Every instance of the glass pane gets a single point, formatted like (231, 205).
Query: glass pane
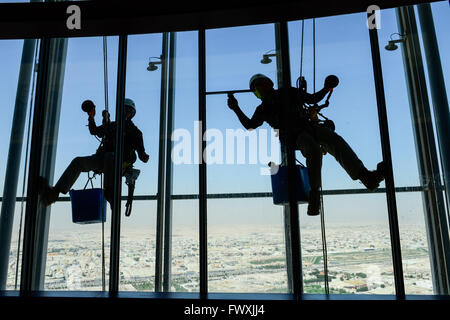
(144, 88)
(138, 232)
(440, 12)
(74, 254)
(404, 157)
(246, 249)
(184, 250)
(137, 247)
(14, 124)
(185, 276)
(237, 158)
(183, 157)
(353, 267)
(233, 55)
(358, 245)
(415, 245)
(74, 251)
(410, 206)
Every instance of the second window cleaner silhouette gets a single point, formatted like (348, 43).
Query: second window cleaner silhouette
(103, 160)
(311, 136)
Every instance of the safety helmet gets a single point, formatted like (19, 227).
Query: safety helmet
(258, 77)
(130, 103)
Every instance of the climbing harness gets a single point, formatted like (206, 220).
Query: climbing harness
(313, 110)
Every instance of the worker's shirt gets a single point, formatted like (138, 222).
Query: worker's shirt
(132, 140)
(270, 111)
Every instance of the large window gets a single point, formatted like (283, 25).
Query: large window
(355, 258)
(184, 272)
(137, 249)
(16, 104)
(411, 211)
(248, 244)
(75, 252)
(246, 249)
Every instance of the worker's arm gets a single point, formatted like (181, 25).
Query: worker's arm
(313, 98)
(138, 142)
(248, 123)
(94, 130)
(330, 82)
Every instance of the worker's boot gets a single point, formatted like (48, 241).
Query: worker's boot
(314, 203)
(372, 179)
(49, 194)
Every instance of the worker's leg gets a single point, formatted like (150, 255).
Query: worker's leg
(72, 172)
(313, 153)
(347, 158)
(80, 164)
(340, 150)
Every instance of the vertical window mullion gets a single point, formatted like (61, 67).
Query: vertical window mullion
(282, 39)
(169, 145)
(115, 219)
(28, 255)
(161, 169)
(202, 166)
(387, 159)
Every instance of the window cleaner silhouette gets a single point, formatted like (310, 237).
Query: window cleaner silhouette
(312, 137)
(103, 160)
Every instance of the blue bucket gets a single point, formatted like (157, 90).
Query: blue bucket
(87, 205)
(280, 185)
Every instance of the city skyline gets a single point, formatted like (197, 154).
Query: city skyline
(243, 259)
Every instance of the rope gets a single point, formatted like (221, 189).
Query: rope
(314, 58)
(105, 70)
(105, 84)
(322, 211)
(301, 56)
(103, 237)
(301, 51)
(324, 244)
(26, 164)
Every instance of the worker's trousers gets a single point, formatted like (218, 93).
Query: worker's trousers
(310, 146)
(96, 162)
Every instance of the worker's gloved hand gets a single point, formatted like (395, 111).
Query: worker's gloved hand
(232, 102)
(105, 115)
(144, 157)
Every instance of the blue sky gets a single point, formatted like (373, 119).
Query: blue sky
(233, 56)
